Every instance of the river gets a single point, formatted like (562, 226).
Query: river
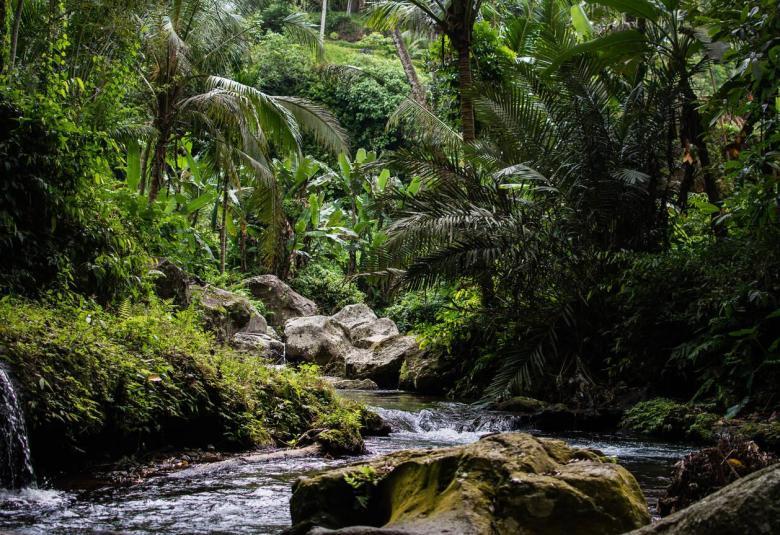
(253, 497)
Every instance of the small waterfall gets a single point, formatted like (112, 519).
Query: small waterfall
(452, 417)
(16, 469)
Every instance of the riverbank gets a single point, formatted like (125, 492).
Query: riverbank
(97, 385)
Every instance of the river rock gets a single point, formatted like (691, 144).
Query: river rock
(280, 300)
(371, 333)
(226, 313)
(317, 339)
(351, 384)
(749, 505)
(383, 362)
(510, 483)
(521, 404)
(351, 316)
(426, 372)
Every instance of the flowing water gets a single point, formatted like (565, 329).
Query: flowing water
(15, 464)
(243, 496)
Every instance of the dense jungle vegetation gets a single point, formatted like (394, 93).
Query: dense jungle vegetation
(574, 201)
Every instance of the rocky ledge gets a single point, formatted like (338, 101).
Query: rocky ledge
(510, 483)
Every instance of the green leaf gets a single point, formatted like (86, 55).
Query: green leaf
(314, 206)
(336, 218)
(201, 201)
(414, 186)
(345, 166)
(361, 155)
(580, 21)
(611, 47)
(381, 181)
(741, 333)
(707, 208)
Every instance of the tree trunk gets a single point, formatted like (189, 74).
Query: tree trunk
(3, 33)
(418, 93)
(15, 34)
(322, 18)
(349, 8)
(693, 135)
(243, 246)
(223, 227)
(158, 165)
(164, 125)
(464, 84)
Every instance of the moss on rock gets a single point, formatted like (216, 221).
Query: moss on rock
(668, 419)
(507, 483)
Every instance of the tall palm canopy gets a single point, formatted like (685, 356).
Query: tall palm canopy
(453, 18)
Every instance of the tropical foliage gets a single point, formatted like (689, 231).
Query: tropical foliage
(565, 199)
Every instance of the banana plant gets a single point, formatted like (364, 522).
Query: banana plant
(356, 219)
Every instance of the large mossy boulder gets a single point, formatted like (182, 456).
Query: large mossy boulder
(749, 505)
(280, 300)
(510, 483)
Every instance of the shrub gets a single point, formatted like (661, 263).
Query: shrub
(416, 309)
(56, 224)
(326, 285)
(666, 418)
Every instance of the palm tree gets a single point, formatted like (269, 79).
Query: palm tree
(561, 177)
(418, 92)
(323, 18)
(453, 18)
(674, 49)
(191, 42)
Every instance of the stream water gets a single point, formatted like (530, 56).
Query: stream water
(253, 497)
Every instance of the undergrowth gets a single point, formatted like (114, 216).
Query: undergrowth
(143, 376)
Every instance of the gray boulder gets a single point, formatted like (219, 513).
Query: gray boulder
(280, 300)
(258, 344)
(368, 334)
(351, 316)
(382, 363)
(749, 505)
(172, 283)
(351, 384)
(426, 372)
(317, 339)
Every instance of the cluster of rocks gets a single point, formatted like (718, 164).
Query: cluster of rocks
(230, 316)
(357, 348)
(353, 343)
